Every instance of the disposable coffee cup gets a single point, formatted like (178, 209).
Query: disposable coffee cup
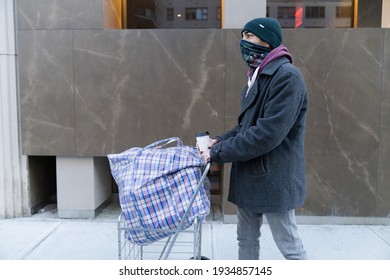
(203, 139)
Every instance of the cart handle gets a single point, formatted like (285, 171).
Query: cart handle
(164, 142)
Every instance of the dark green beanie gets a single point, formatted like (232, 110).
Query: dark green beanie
(267, 29)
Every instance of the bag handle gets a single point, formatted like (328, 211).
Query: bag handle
(157, 145)
(165, 142)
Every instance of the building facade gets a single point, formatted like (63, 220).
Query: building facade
(76, 87)
(312, 14)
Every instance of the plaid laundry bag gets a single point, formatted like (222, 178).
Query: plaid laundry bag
(155, 187)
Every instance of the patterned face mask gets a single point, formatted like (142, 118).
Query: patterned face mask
(253, 54)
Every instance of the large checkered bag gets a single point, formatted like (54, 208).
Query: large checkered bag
(156, 184)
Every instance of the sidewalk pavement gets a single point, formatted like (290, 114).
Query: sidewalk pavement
(43, 236)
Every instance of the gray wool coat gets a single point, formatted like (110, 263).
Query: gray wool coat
(266, 148)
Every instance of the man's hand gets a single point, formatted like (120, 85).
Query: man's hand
(212, 142)
(206, 154)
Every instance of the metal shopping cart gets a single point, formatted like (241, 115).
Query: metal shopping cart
(152, 221)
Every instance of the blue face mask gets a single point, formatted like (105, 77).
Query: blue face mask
(253, 54)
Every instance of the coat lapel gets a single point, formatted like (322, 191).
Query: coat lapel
(250, 98)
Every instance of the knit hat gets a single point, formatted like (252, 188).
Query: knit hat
(267, 29)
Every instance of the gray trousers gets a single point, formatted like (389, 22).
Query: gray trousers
(284, 231)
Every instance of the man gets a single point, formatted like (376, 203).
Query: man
(266, 147)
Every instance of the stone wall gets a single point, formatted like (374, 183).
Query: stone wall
(86, 91)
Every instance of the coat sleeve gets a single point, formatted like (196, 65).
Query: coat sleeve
(282, 108)
(228, 134)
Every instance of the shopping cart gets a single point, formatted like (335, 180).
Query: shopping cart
(182, 242)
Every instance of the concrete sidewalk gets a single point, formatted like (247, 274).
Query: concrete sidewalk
(44, 237)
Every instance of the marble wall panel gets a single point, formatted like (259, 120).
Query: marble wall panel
(343, 70)
(46, 92)
(60, 14)
(383, 192)
(236, 77)
(134, 87)
(93, 92)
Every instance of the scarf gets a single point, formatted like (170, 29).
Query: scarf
(253, 55)
(257, 56)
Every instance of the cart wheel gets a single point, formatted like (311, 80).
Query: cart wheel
(202, 258)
